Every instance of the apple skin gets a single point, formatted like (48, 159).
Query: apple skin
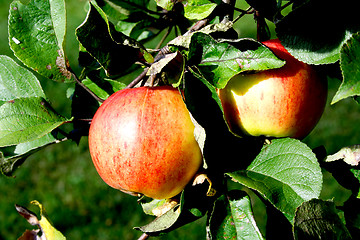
(284, 102)
(141, 140)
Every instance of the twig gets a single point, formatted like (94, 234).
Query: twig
(86, 88)
(164, 37)
(144, 236)
(137, 79)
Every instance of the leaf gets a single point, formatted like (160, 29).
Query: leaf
(218, 62)
(315, 36)
(17, 82)
(233, 218)
(166, 4)
(349, 62)
(350, 155)
(172, 68)
(114, 51)
(317, 219)
(194, 204)
(184, 40)
(26, 119)
(48, 231)
(198, 9)
(286, 173)
(37, 33)
(14, 156)
(103, 89)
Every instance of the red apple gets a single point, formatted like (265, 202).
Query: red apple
(141, 140)
(284, 102)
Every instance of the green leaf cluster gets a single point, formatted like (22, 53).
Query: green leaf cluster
(195, 46)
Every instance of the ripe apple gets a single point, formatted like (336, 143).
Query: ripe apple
(284, 102)
(141, 140)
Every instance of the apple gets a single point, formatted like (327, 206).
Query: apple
(283, 102)
(141, 140)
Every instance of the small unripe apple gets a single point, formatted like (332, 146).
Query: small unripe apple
(141, 140)
(283, 102)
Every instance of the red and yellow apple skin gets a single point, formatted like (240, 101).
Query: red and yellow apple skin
(141, 140)
(284, 102)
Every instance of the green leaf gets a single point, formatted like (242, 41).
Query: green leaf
(198, 9)
(233, 218)
(17, 82)
(315, 36)
(286, 173)
(166, 4)
(349, 62)
(103, 89)
(114, 51)
(14, 156)
(218, 62)
(318, 219)
(26, 119)
(37, 33)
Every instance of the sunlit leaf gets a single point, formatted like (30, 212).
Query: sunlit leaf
(218, 62)
(17, 82)
(13, 156)
(198, 9)
(26, 119)
(350, 155)
(47, 230)
(37, 32)
(286, 173)
(349, 63)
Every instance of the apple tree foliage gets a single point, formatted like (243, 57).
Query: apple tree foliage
(197, 49)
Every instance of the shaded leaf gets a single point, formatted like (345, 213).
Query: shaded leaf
(37, 33)
(315, 36)
(232, 218)
(183, 41)
(26, 119)
(17, 82)
(349, 62)
(218, 62)
(286, 173)
(318, 219)
(352, 216)
(171, 67)
(114, 51)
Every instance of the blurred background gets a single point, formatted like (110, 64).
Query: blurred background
(81, 205)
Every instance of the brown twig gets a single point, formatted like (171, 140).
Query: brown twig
(144, 236)
(86, 88)
(137, 79)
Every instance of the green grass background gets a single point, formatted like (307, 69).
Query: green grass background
(82, 206)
